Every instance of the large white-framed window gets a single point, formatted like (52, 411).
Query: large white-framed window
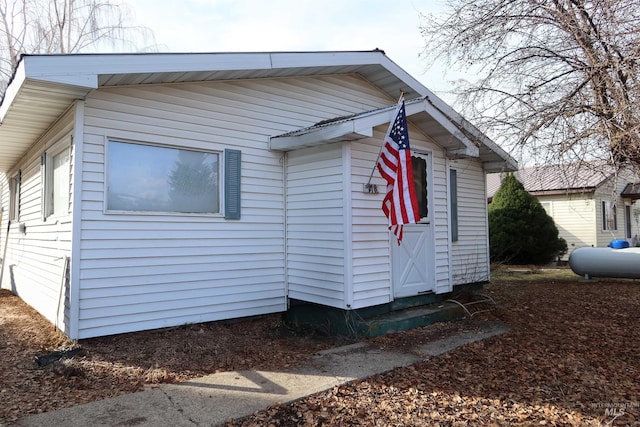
(56, 163)
(609, 217)
(153, 178)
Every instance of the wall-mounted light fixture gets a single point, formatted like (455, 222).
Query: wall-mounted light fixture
(370, 188)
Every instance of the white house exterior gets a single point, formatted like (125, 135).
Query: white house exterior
(589, 204)
(154, 190)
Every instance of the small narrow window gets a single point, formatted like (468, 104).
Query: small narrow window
(14, 197)
(453, 195)
(627, 221)
(57, 178)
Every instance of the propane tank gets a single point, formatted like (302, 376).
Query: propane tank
(606, 262)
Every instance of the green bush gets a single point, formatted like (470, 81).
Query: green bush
(520, 231)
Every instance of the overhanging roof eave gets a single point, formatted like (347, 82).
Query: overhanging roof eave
(28, 115)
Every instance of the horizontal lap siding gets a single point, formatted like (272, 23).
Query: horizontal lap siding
(610, 191)
(315, 226)
(470, 261)
(575, 217)
(370, 249)
(440, 206)
(35, 259)
(149, 271)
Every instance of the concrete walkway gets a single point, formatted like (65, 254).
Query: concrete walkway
(216, 398)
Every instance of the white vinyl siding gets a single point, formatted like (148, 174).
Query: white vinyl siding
(470, 254)
(440, 206)
(371, 254)
(315, 226)
(35, 263)
(150, 271)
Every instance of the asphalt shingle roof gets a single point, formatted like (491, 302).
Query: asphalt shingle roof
(556, 178)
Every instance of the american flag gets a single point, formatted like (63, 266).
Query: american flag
(400, 204)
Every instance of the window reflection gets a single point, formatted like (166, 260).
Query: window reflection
(160, 179)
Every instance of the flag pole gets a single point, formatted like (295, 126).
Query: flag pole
(368, 184)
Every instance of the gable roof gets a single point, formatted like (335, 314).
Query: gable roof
(557, 179)
(44, 86)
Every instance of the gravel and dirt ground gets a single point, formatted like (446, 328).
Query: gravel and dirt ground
(572, 357)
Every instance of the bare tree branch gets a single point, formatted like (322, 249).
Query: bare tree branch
(64, 26)
(555, 79)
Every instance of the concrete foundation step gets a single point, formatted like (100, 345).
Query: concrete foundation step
(399, 315)
(408, 318)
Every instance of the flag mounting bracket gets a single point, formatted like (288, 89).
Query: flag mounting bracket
(370, 188)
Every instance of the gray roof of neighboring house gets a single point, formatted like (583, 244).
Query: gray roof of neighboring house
(556, 179)
(631, 191)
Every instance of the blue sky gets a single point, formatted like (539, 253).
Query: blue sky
(286, 25)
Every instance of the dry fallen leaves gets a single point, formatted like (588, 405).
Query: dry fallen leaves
(571, 358)
(114, 365)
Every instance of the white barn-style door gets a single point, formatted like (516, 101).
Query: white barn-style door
(413, 260)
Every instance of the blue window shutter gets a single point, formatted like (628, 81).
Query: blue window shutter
(232, 184)
(453, 182)
(45, 184)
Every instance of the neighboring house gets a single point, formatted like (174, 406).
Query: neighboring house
(152, 190)
(590, 205)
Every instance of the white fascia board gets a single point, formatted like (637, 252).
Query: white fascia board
(329, 58)
(82, 80)
(56, 69)
(406, 77)
(12, 90)
(470, 150)
(453, 115)
(506, 166)
(97, 64)
(509, 163)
